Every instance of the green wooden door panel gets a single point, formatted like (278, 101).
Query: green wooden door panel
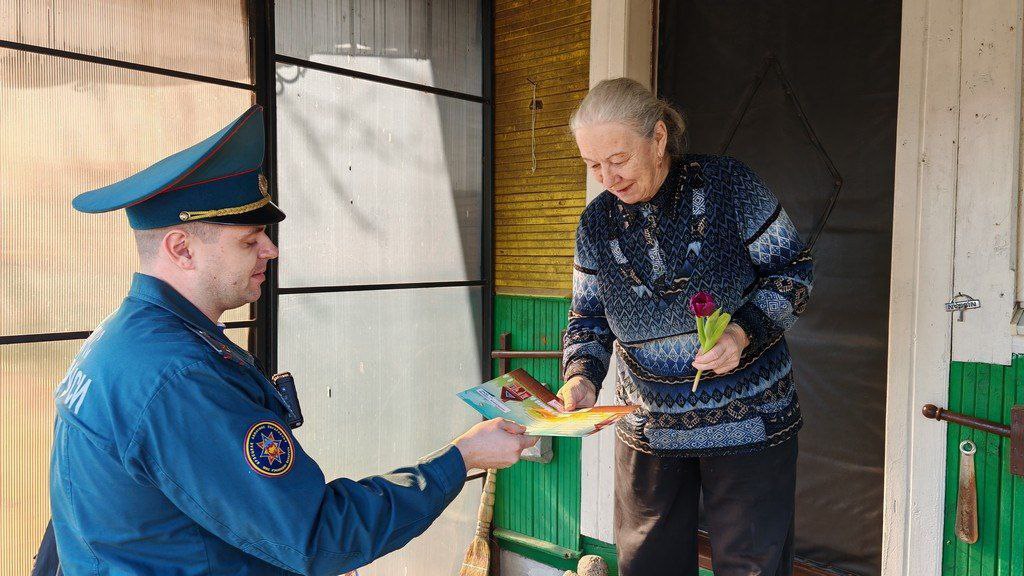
(985, 391)
(539, 500)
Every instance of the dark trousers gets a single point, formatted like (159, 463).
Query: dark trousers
(748, 504)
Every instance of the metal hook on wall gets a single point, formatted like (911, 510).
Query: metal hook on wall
(535, 105)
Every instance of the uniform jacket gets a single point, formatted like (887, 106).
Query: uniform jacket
(172, 455)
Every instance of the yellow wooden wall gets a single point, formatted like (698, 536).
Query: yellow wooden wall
(535, 211)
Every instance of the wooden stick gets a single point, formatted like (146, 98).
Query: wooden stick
(478, 557)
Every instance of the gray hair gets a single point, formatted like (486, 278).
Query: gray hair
(626, 101)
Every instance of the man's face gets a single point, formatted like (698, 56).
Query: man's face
(233, 264)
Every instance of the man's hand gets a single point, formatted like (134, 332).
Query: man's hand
(725, 355)
(578, 393)
(495, 443)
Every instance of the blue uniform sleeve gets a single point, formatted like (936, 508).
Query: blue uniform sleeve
(784, 266)
(587, 343)
(233, 466)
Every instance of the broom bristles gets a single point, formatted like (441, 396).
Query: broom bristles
(478, 558)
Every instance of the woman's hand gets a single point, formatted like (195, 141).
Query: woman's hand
(725, 355)
(578, 393)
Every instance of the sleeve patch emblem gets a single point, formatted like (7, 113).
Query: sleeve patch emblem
(268, 449)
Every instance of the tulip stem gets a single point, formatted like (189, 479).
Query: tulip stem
(702, 337)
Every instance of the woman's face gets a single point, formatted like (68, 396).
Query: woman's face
(628, 165)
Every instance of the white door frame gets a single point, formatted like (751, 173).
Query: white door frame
(924, 210)
(957, 157)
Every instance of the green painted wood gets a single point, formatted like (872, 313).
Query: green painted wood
(949, 541)
(541, 501)
(508, 537)
(1005, 519)
(989, 392)
(602, 549)
(1016, 507)
(990, 481)
(979, 391)
(967, 403)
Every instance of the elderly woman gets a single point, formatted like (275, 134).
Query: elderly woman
(667, 226)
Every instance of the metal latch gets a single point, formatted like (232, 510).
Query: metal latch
(1015, 431)
(962, 302)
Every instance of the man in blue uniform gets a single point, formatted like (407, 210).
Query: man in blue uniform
(172, 452)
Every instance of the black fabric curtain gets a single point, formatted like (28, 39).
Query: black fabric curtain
(805, 92)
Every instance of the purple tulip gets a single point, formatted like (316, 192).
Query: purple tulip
(702, 305)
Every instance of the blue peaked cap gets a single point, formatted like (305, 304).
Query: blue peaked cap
(216, 180)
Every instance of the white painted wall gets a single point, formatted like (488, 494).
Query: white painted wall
(598, 474)
(987, 177)
(621, 44)
(513, 564)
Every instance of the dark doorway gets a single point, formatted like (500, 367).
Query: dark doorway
(805, 92)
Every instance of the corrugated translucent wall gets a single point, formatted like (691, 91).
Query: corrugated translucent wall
(67, 126)
(985, 391)
(383, 186)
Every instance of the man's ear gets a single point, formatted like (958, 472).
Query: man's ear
(175, 246)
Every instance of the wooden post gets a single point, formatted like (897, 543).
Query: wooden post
(505, 343)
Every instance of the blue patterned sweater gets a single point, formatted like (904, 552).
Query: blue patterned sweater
(713, 226)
